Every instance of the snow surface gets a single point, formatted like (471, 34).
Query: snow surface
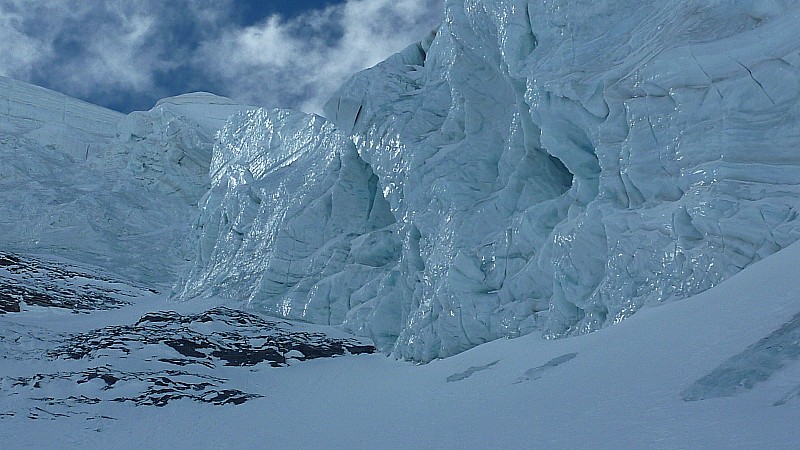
(633, 385)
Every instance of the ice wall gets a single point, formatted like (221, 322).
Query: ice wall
(294, 221)
(546, 166)
(677, 122)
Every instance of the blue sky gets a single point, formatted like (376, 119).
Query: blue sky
(128, 54)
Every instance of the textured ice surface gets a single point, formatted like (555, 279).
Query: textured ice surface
(93, 185)
(294, 221)
(539, 166)
(563, 164)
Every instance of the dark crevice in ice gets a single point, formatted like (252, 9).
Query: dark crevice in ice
(537, 372)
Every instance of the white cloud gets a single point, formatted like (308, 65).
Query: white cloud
(116, 48)
(40, 37)
(19, 50)
(118, 59)
(270, 44)
(301, 61)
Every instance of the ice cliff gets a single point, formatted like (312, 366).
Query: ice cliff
(532, 166)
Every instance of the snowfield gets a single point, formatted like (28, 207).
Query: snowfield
(689, 374)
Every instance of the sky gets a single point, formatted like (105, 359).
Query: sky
(126, 55)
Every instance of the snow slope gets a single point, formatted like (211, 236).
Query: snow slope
(95, 186)
(640, 384)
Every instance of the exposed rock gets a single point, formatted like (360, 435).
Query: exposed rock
(150, 388)
(137, 362)
(27, 280)
(220, 336)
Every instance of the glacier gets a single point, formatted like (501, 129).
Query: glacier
(99, 187)
(525, 168)
(544, 167)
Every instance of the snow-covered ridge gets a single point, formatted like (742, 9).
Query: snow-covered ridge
(27, 102)
(53, 120)
(209, 111)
